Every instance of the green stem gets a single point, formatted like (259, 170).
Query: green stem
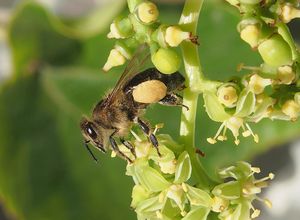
(196, 83)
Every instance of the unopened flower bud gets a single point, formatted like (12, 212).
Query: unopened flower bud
(147, 12)
(114, 32)
(289, 12)
(227, 96)
(275, 51)
(115, 58)
(286, 75)
(174, 36)
(291, 109)
(250, 34)
(257, 84)
(120, 28)
(166, 60)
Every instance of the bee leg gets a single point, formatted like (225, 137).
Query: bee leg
(146, 129)
(129, 146)
(173, 100)
(117, 150)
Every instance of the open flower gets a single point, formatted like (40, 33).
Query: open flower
(238, 120)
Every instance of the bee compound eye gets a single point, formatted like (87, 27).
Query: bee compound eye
(91, 132)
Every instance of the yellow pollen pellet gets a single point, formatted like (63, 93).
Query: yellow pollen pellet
(150, 91)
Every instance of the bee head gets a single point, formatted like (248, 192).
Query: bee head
(92, 133)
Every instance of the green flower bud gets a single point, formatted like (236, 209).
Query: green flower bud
(115, 58)
(214, 108)
(245, 104)
(139, 194)
(174, 36)
(197, 197)
(250, 34)
(120, 28)
(159, 35)
(147, 12)
(275, 51)
(230, 190)
(183, 168)
(197, 213)
(227, 95)
(124, 49)
(166, 60)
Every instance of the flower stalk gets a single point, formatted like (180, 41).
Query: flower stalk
(196, 84)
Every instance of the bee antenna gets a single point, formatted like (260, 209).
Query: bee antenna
(89, 150)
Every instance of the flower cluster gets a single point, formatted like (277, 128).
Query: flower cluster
(268, 91)
(163, 189)
(142, 26)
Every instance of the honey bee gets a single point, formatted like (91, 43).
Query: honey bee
(124, 106)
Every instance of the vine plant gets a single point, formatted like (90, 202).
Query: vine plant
(176, 186)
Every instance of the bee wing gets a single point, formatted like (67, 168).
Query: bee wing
(137, 61)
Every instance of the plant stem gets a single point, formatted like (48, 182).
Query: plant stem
(196, 84)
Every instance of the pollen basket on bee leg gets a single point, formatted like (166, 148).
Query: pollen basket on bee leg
(149, 91)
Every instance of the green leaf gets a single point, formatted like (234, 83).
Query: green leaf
(183, 168)
(214, 108)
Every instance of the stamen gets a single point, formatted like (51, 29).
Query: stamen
(269, 177)
(157, 127)
(211, 140)
(237, 141)
(255, 214)
(255, 136)
(242, 66)
(255, 169)
(267, 202)
(184, 187)
(136, 136)
(219, 130)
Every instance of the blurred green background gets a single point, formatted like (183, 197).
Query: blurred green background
(57, 49)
